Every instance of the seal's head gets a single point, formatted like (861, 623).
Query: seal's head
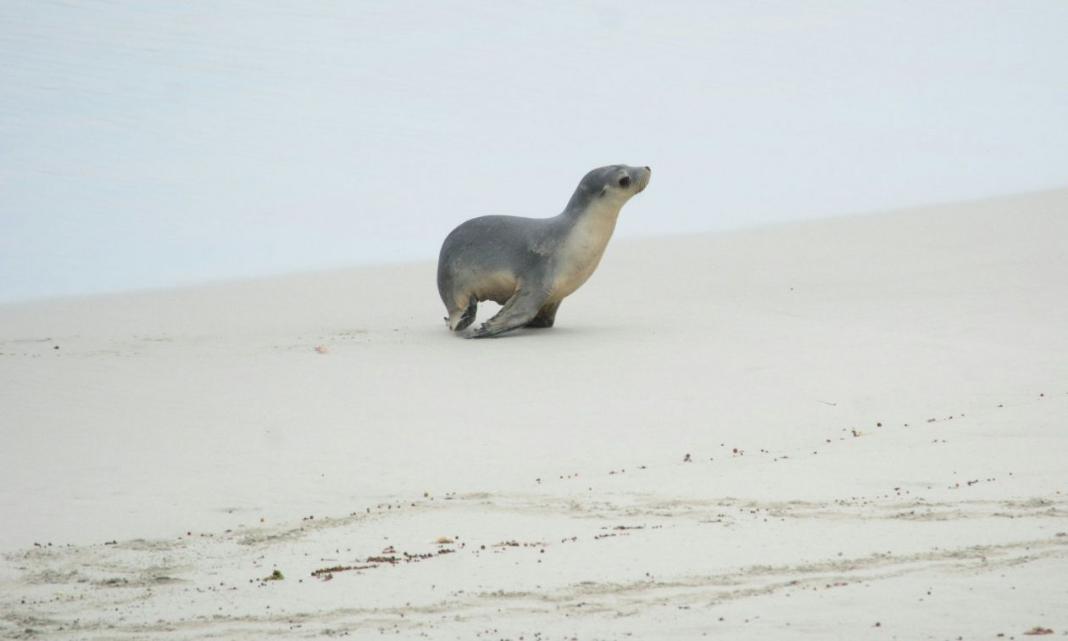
(614, 184)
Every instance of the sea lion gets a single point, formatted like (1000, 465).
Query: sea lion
(529, 265)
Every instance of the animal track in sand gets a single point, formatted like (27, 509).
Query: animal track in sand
(612, 523)
(846, 434)
(613, 598)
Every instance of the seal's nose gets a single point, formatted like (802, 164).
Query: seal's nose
(643, 181)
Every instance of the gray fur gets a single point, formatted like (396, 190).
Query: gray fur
(529, 265)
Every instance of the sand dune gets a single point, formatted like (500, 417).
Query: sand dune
(851, 428)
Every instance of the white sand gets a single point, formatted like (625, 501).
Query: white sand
(896, 387)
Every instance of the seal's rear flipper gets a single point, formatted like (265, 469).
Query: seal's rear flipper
(459, 319)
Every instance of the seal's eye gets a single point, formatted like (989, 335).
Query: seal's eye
(624, 181)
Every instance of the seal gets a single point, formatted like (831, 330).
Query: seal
(529, 265)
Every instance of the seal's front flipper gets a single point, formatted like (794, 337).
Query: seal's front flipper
(546, 316)
(518, 310)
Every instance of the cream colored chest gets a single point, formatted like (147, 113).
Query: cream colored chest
(581, 251)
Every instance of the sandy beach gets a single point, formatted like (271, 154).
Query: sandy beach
(852, 428)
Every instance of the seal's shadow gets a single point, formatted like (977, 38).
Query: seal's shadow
(559, 332)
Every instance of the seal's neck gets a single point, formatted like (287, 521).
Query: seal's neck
(593, 224)
(583, 245)
(591, 228)
(585, 198)
(582, 198)
(583, 205)
(603, 210)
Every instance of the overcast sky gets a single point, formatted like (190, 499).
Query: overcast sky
(146, 144)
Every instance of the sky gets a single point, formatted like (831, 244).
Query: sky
(147, 145)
